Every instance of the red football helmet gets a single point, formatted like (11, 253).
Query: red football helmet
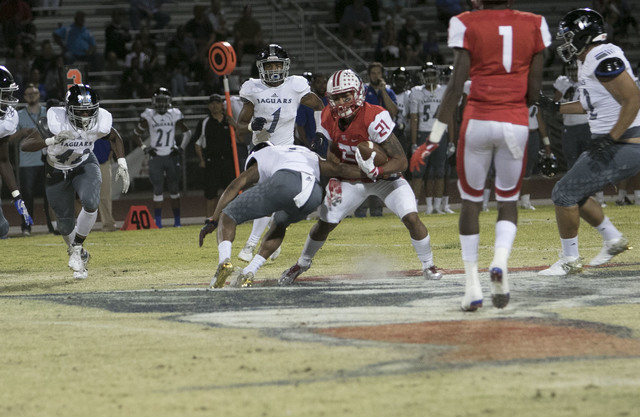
(345, 81)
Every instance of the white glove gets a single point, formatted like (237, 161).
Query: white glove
(123, 172)
(451, 149)
(367, 165)
(59, 138)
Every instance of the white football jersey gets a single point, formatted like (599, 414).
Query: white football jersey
(162, 129)
(602, 109)
(425, 103)
(294, 157)
(278, 105)
(563, 84)
(72, 152)
(9, 123)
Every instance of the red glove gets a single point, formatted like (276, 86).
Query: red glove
(419, 156)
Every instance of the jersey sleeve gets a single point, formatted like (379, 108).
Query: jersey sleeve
(177, 115)
(457, 30)
(381, 127)
(56, 117)
(105, 121)
(300, 85)
(9, 125)
(248, 91)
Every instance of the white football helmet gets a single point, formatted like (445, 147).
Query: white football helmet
(345, 81)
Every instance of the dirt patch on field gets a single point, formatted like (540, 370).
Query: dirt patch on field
(502, 340)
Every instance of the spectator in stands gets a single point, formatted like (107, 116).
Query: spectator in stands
(19, 65)
(247, 34)
(36, 80)
(135, 82)
(45, 59)
(214, 151)
(356, 23)
(137, 57)
(388, 47)
(431, 49)
(15, 18)
(116, 36)
(216, 16)
(200, 29)
(181, 59)
(410, 43)
(446, 9)
(392, 7)
(56, 79)
(51, 6)
(77, 42)
(149, 10)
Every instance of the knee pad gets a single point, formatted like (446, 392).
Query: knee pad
(561, 197)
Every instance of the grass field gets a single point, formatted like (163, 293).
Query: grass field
(143, 336)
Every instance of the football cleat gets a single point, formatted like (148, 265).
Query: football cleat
(527, 206)
(81, 274)
(276, 253)
(246, 254)
(224, 271)
(75, 257)
(499, 288)
(292, 273)
(447, 209)
(245, 280)
(431, 273)
(472, 299)
(439, 211)
(564, 266)
(610, 249)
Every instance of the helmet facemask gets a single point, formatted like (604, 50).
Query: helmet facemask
(578, 29)
(82, 107)
(7, 100)
(161, 103)
(276, 74)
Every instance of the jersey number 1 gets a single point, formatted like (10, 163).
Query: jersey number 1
(507, 46)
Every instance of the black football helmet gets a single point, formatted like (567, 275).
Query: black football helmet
(308, 75)
(547, 164)
(445, 74)
(399, 80)
(579, 28)
(273, 53)
(161, 100)
(7, 88)
(82, 105)
(430, 74)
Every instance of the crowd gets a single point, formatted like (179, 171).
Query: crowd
(480, 119)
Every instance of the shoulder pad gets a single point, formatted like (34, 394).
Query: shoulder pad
(299, 84)
(105, 122)
(610, 67)
(250, 88)
(56, 118)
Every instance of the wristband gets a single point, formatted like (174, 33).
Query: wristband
(249, 127)
(122, 162)
(49, 141)
(437, 131)
(15, 193)
(545, 141)
(143, 146)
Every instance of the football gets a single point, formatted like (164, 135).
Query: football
(367, 148)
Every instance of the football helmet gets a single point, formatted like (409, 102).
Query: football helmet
(547, 164)
(82, 105)
(345, 81)
(273, 53)
(445, 74)
(430, 74)
(578, 29)
(161, 100)
(399, 80)
(7, 88)
(308, 75)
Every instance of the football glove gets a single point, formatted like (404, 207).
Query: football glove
(368, 166)
(176, 151)
(59, 138)
(600, 148)
(419, 156)
(123, 172)
(451, 149)
(22, 209)
(209, 227)
(334, 193)
(257, 124)
(548, 104)
(150, 151)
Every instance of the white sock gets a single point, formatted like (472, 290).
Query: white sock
(423, 250)
(311, 247)
(429, 201)
(255, 264)
(70, 237)
(621, 194)
(224, 251)
(259, 225)
(437, 203)
(85, 222)
(505, 234)
(607, 230)
(469, 246)
(525, 199)
(600, 196)
(445, 201)
(636, 195)
(570, 247)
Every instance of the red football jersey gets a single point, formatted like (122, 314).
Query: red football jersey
(370, 123)
(501, 44)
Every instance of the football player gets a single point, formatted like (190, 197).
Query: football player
(611, 98)
(288, 184)
(501, 51)
(162, 122)
(8, 127)
(270, 106)
(72, 168)
(423, 104)
(347, 121)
